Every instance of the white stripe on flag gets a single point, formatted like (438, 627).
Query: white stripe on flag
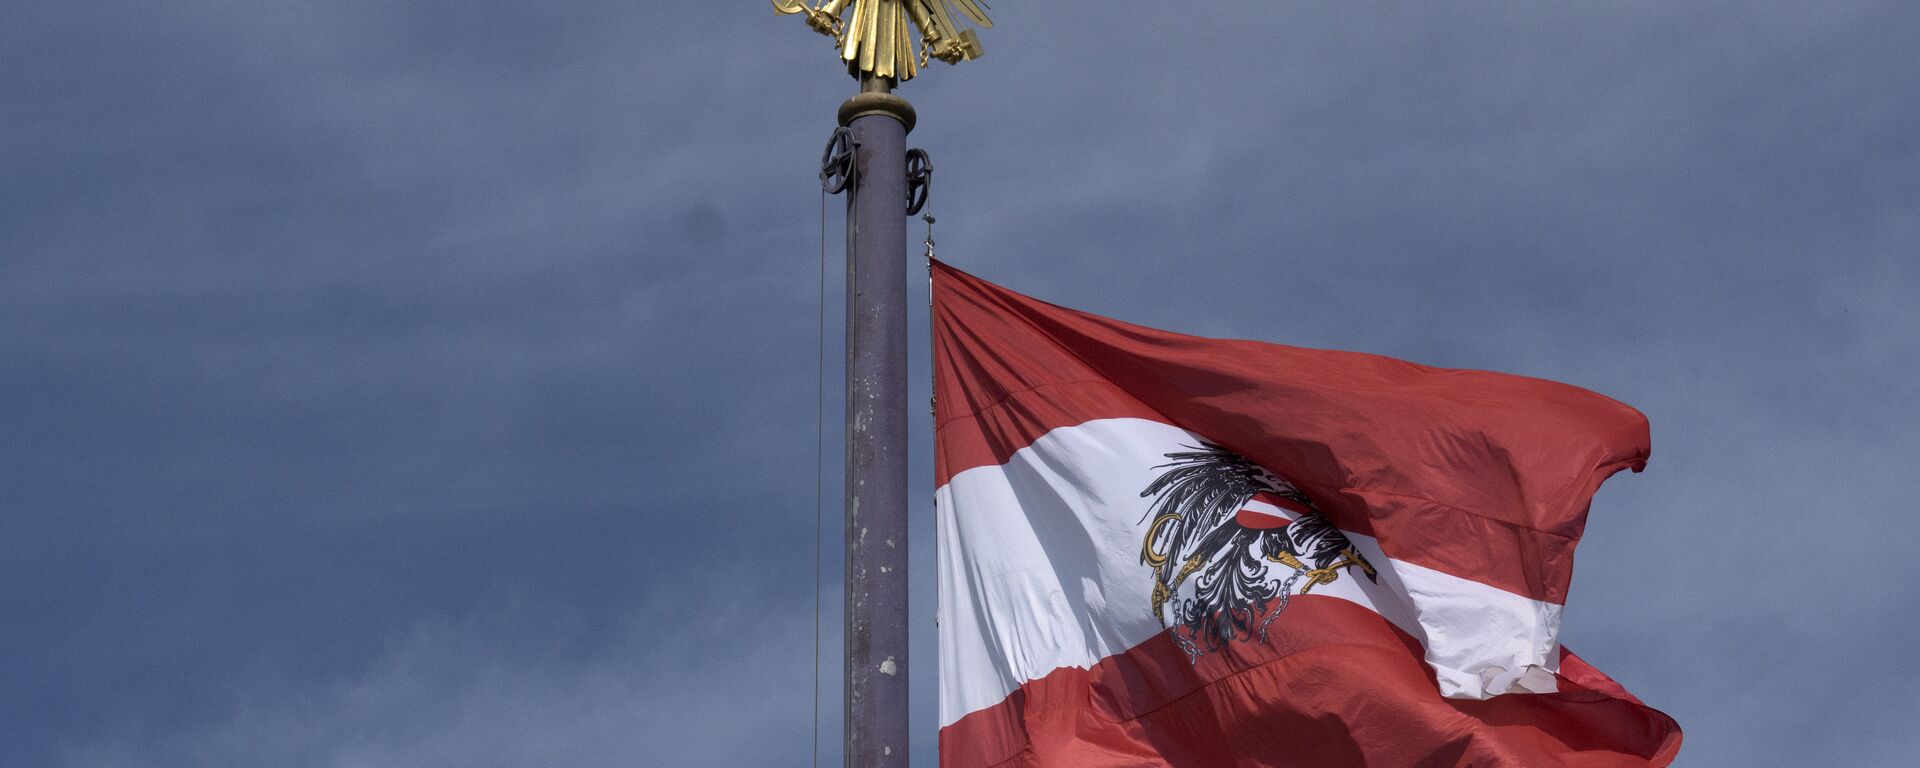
(1039, 568)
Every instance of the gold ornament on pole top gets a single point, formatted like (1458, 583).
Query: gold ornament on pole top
(876, 43)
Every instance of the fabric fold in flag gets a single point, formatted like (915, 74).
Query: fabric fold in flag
(1165, 550)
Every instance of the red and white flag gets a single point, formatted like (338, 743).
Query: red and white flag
(1164, 550)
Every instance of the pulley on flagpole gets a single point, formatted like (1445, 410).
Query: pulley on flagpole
(884, 182)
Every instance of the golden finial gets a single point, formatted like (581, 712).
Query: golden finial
(875, 42)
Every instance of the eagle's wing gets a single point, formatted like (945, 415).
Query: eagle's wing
(974, 9)
(946, 39)
(942, 18)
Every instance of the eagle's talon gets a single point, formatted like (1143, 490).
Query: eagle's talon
(823, 22)
(1319, 576)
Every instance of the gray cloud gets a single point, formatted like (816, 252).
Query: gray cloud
(485, 690)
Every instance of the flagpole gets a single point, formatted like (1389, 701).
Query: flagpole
(876, 493)
(867, 158)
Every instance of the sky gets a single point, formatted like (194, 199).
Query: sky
(415, 383)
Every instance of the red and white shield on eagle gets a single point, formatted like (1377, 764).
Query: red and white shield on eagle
(1230, 542)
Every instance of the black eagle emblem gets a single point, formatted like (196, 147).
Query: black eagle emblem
(1225, 523)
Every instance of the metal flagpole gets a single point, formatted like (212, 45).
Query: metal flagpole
(868, 159)
(876, 589)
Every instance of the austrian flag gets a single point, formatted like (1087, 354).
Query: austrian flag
(1163, 550)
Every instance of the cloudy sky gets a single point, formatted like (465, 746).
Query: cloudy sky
(432, 383)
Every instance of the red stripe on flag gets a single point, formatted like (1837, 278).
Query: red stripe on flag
(1334, 686)
(1485, 476)
(1257, 517)
(1260, 521)
(990, 437)
(1294, 507)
